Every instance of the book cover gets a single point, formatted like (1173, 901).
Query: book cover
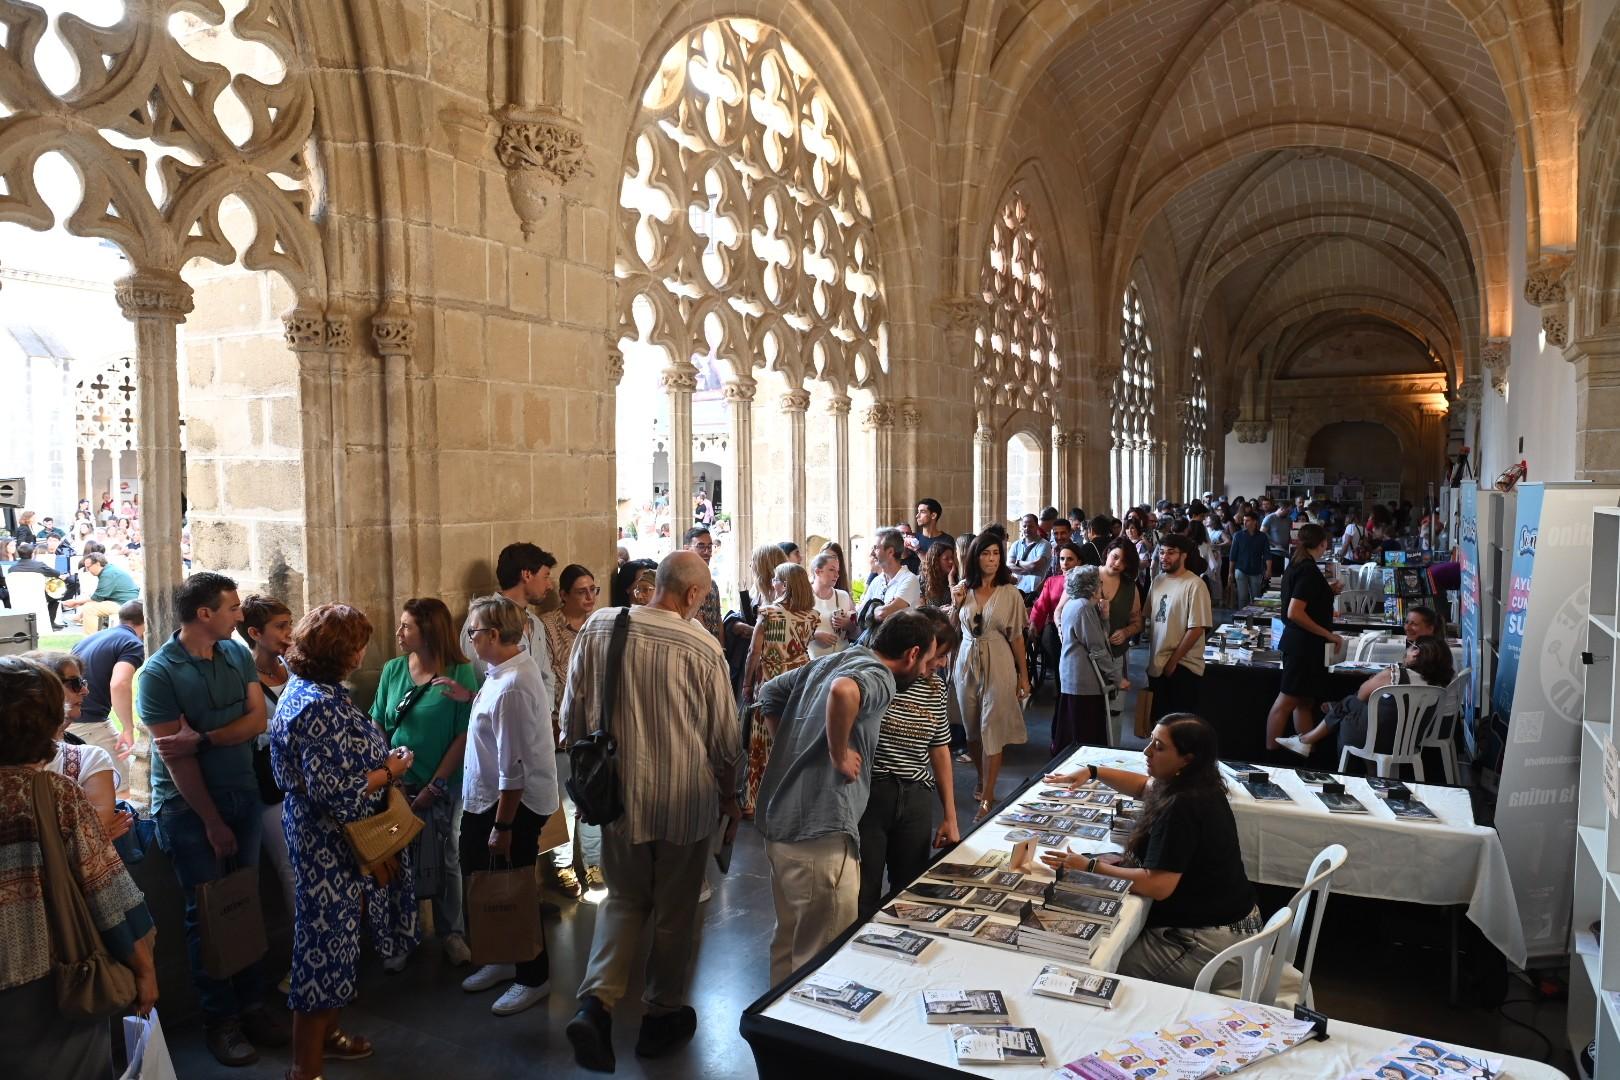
(982, 1045)
(1410, 810)
(1057, 925)
(1051, 839)
(1044, 807)
(1023, 817)
(1341, 804)
(961, 924)
(971, 873)
(1034, 888)
(1314, 777)
(945, 1006)
(848, 999)
(938, 892)
(899, 944)
(1002, 935)
(1265, 791)
(901, 913)
(1090, 832)
(1063, 794)
(987, 898)
(1086, 881)
(1102, 909)
(1076, 984)
(1004, 879)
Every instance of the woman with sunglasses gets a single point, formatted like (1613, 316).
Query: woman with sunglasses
(632, 584)
(91, 767)
(424, 699)
(578, 589)
(991, 676)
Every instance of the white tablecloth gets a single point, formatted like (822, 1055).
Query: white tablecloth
(1068, 1030)
(1453, 861)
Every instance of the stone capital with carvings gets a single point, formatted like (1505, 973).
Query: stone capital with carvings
(151, 294)
(339, 334)
(984, 436)
(393, 332)
(910, 416)
(1547, 285)
(1470, 393)
(304, 330)
(961, 315)
(839, 405)
(542, 150)
(879, 414)
(682, 379)
(1252, 431)
(739, 393)
(795, 401)
(1493, 358)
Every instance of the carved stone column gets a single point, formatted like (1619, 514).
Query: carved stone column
(1547, 287)
(393, 335)
(304, 329)
(156, 302)
(679, 381)
(1597, 409)
(1494, 359)
(1279, 445)
(878, 420)
(839, 408)
(1432, 440)
(795, 403)
(985, 476)
(1252, 431)
(740, 484)
(541, 150)
(1469, 395)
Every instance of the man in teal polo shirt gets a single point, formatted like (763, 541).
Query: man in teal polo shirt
(201, 700)
(114, 589)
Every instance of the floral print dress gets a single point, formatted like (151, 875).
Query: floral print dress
(784, 647)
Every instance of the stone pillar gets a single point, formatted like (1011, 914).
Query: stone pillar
(1432, 440)
(1597, 409)
(740, 490)
(1547, 287)
(985, 507)
(87, 455)
(839, 408)
(1061, 488)
(1279, 445)
(393, 335)
(879, 420)
(157, 302)
(679, 381)
(794, 405)
(1494, 361)
(305, 332)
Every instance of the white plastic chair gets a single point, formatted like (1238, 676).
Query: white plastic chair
(28, 598)
(1308, 904)
(1255, 953)
(1413, 704)
(1442, 734)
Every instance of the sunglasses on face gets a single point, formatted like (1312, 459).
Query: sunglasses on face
(74, 683)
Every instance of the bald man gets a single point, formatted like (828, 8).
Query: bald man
(678, 751)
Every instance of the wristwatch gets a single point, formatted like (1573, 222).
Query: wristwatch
(203, 741)
(440, 783)
(501, 826)
(1093, 769)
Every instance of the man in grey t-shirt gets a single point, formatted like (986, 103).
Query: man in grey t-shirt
(825, 718)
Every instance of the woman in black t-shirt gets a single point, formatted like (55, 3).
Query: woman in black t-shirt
(1183, 855)
(1307, 604)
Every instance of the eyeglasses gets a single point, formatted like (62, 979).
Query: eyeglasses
(474, 631)
(73, 682)
(586, 590)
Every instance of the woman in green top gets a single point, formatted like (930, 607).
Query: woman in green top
(423, 701)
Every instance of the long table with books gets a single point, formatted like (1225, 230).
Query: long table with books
(1426, 850)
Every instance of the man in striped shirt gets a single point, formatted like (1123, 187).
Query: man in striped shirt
(675, 723)
(911, 765)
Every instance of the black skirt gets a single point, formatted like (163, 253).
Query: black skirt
(1304, 674)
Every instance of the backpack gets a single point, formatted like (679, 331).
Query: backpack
(594, 784)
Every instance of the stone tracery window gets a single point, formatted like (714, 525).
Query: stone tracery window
(1195, 429)
(1015, 359)
(1133, 410)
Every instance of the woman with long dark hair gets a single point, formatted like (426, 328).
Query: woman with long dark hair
(1183, 855)
(1427, 663)
(990, 676)
(1307, 605)
(939, 573)
(632, 583)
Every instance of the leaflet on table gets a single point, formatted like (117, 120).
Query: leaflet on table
(1214, 1044)
(1418, 1059)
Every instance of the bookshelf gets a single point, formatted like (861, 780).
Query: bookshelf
(1594, 978)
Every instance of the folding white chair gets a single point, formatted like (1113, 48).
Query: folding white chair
(28, 597)
(1288, 985)
(1255, 953)
(1442, 734)
(1413, 704)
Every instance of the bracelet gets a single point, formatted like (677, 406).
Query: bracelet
(1093, 769)
(501, 826)
(1091, 867)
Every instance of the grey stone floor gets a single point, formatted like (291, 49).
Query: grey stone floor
(1378, 963)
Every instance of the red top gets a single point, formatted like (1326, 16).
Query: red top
(1046, 604)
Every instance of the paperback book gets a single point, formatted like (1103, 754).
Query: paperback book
(987, 899)
(1058, 935)
(1410, 810)
(847, 999)
(1417, 1059)
(1088, 882)
(1004, 879)
(1341, 803)
(962, 873)
(1098, 908)
(1001, 935)
(1064, 794)
(957, 1006)
(983, 1045)
(1051, 839)
(900, 944)
(1265, 791)
(902, 913)
(1026, 818)
(961, 924)
(938, 892)
(1044, 807)
(1314, 777)
(1076, 984)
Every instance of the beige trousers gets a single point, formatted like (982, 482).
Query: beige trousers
(98, 614)
(816, 885)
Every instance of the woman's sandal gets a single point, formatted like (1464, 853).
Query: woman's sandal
(984, 810)
(341, 1046)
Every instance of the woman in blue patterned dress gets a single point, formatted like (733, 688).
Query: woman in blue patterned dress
(334, 764)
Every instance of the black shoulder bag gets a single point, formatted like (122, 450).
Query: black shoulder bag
(594, 760)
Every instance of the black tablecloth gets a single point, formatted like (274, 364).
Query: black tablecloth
(1236, 698)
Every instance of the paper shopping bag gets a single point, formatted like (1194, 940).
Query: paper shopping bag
(231, 923)
(554, 833)
(1144, 713)
(503, 916)
(146, 1049)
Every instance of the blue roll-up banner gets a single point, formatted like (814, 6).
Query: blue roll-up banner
(1468, 592)
(1525, 530)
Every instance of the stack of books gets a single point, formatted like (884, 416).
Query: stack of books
(1086, 905)
(913, 916)
(937, 892)
(1057, 935)
(1081, 881)
(894, 943)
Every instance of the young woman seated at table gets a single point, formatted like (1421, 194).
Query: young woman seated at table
(1183, 855)
(1427, 663)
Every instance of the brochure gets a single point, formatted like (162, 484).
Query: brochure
(974, 1045)
(1419, 1059)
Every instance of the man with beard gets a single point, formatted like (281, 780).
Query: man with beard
(825, 717)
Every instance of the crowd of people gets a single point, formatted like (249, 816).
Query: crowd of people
(828, 707)
(87, 565)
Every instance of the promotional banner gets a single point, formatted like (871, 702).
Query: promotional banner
(1540, 686)
(1468, 593)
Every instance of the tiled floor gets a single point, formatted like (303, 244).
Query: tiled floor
(1378, 963)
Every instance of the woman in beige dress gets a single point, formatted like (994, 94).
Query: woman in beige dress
(990, 675)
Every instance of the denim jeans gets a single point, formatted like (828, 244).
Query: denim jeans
(182, 837)
(897, 833)
(1249, 587)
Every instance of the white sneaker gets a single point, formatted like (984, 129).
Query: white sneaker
(1294, 743)
(708, 891)
(519, 997)
(396, 964)
(456, 951)
(488, 977)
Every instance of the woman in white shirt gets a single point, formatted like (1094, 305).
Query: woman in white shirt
(89, 766)
(837, 610)
(510, 785)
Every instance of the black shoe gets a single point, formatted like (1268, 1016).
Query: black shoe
(228, 1045)
(264, 1028)
(661, 1034)
(591, 1034)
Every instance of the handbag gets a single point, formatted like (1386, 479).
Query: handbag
(383, 835)
(593, 761)
(89, 981)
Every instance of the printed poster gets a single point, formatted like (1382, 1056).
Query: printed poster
(1468, 592)
(1522, 550)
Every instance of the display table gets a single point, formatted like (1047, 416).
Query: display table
(1450, 862)
(1235, 698)
(793, 1040)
